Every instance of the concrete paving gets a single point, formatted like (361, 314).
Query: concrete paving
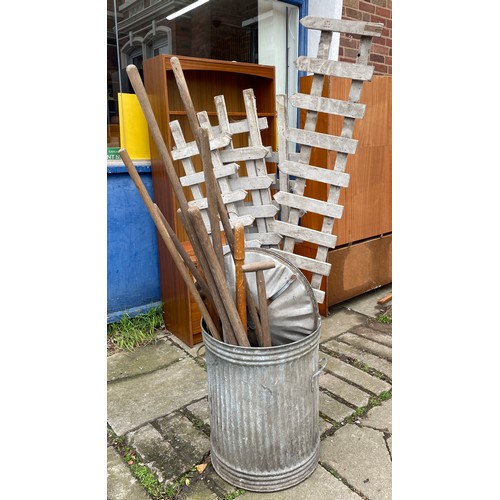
(158, 408)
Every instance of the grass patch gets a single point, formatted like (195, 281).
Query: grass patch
(129, 333)
(385, 318)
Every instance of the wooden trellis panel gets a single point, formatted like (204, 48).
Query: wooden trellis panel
(194, 179)
(255, 215)
(291, 195)
(257, 180)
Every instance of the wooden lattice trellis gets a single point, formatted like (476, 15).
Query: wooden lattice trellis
(291, 194)
(257, 214)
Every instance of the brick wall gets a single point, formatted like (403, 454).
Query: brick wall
(375, 11)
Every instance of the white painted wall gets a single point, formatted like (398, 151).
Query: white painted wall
(324, 8)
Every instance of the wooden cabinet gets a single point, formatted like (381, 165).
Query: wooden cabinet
(206, 78)
(361, 260)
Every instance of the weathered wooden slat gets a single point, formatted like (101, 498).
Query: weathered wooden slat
(340, 69)
(342, 26)
(282, 117)
(191, 148)
(240, 127)
(319, 295)
(246, 220)
(312, 173)
(263, 238)
(327, 105)
(250, 183)
(304, 234)
(309, 204)
(199, 177)
(227, 198)
(258, 211)
(324, 141)
(306, 263)
(244, 154)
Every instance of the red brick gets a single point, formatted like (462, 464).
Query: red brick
(353, 14)
(380, 11)
(351, 3)
(380, 49)
(380, 3)
(377, 58)
(367, 7)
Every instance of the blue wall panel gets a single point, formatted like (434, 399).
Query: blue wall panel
(132, 265)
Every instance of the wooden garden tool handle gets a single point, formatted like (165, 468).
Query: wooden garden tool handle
(219, 277)
(259, 268)
(193, 120)
(239, 260)
(165, 235)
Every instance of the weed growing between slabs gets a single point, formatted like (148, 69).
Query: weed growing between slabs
(129, 333)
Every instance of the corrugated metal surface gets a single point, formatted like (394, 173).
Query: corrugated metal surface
(264, 412)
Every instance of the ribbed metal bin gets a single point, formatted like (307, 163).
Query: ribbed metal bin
(263, 404)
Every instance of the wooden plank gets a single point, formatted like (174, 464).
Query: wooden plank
(227, 198)
(244, 154)
(191, 148)
(282, 117)
(304, 234)
(324, 141)
(309, 204)
(306, 263)
(319, 295)
(342, 26)
(327, 105)
(385, 299)
(199, 177)
(259, 211)
(240, 126)
(334, 68)
(249, 183)
(258, 239)
(319, 174)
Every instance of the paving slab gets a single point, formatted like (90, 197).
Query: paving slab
(200, 410)
(333, 408)
(324, 426)
(158, 454)
(371, 360)
(379, 417)
(356, 376)
(360, 456)
(147, 359)
(367, 302)
(189, 441)
(339, 321)
(366, 345)
(320, 485)
(121, 484)
(134, 401)
(372, 334)
(347, 392)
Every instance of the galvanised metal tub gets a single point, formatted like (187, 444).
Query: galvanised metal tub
(264, 408)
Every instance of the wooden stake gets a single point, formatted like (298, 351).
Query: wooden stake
(239, 260)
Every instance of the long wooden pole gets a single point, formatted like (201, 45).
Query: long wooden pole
(164, 233)
(226, 224)
(219, 276)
